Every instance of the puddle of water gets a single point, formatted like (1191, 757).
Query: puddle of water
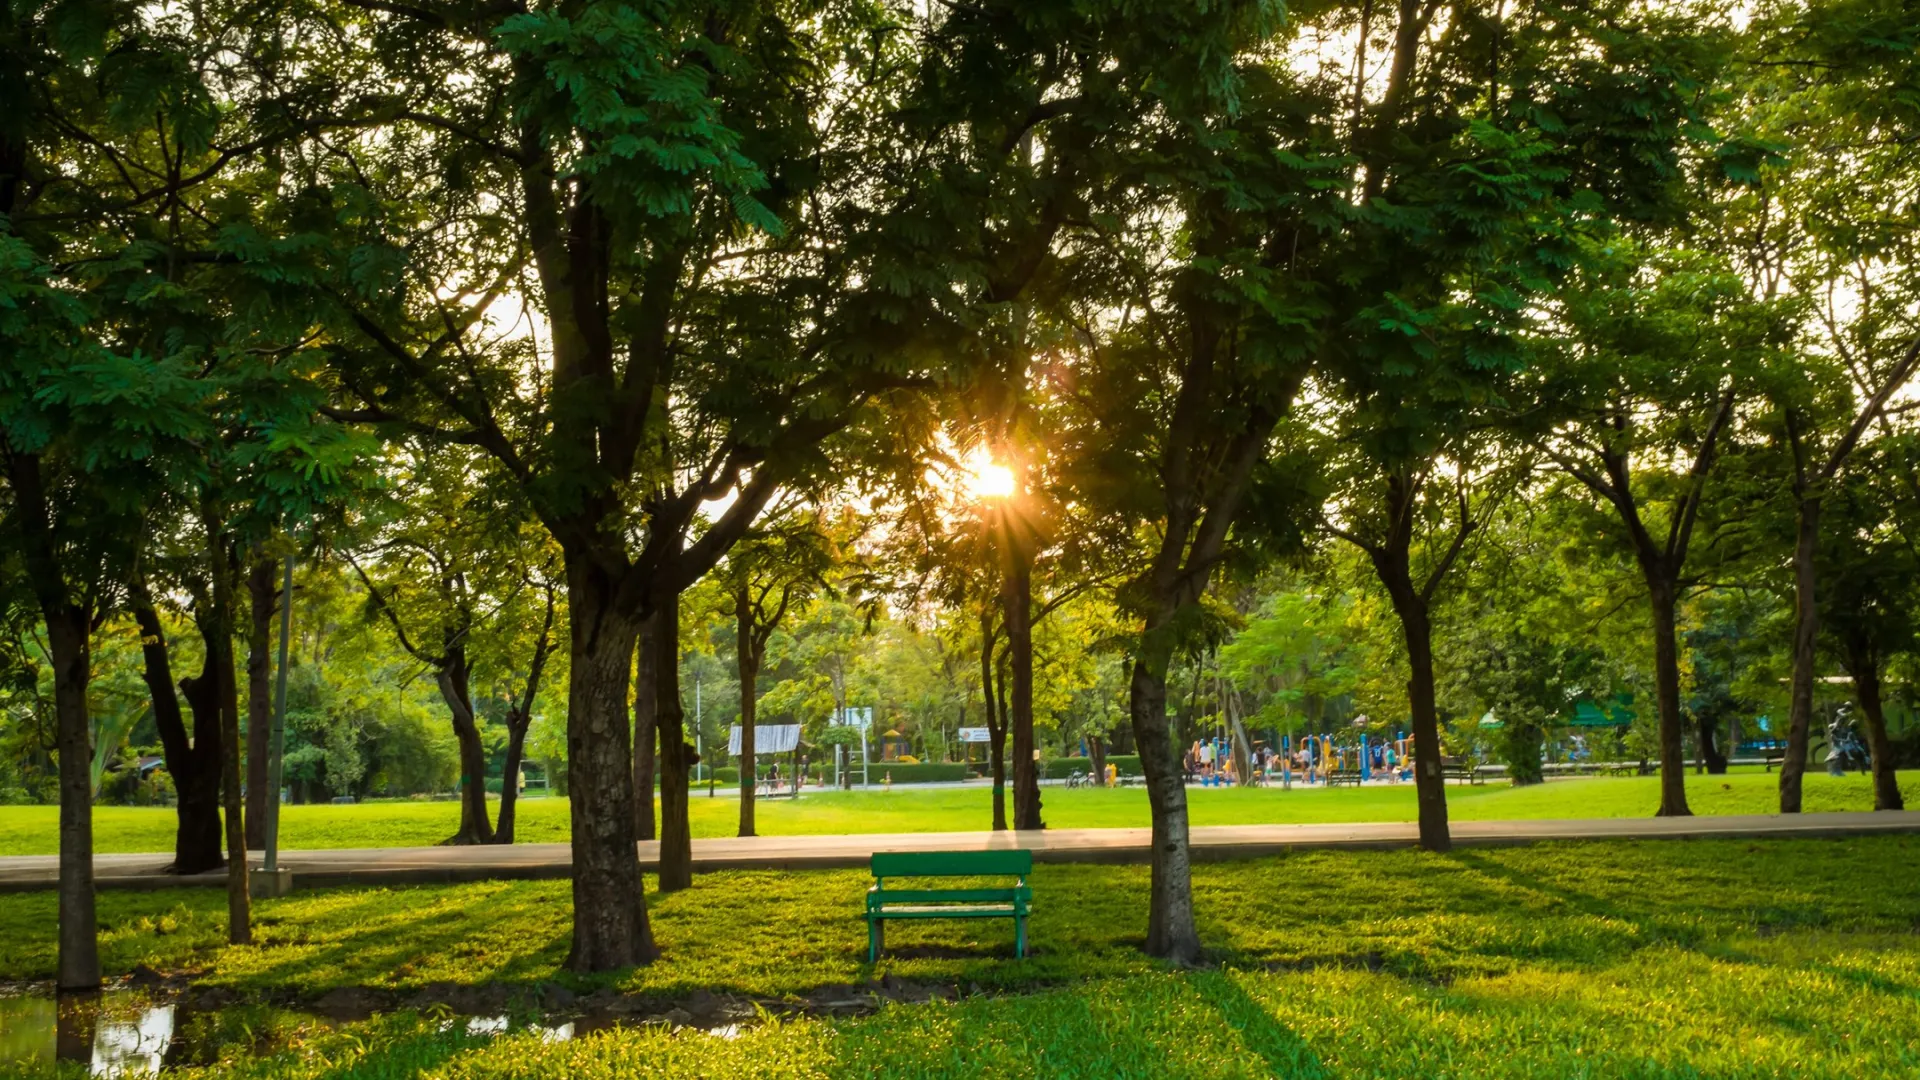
(126, 1034)
(116, 1034)
(500, 1025)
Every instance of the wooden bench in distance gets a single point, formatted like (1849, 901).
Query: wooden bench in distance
(885, 903)
(1337, 777)
(1459, 769)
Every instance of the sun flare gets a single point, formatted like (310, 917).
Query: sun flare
(990, 480)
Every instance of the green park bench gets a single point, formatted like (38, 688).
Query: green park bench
(1453, 768)
(1338, 777)
(1013, 902)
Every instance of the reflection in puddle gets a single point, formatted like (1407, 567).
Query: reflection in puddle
(486, 1025)
(124, 1033)
(114, 1034)
(135, 1047)
(498, 1025)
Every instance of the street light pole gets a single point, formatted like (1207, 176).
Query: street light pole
(699, 738)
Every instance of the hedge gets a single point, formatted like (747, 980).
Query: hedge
(730, 774)
(924, 772)
(1061, 768)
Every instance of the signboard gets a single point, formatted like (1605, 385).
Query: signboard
(854, 717)
(975, 734)
(767, 739)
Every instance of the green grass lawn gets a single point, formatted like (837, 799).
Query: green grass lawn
(1650, 959)
(32, 830)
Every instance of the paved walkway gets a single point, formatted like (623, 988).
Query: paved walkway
(394, 866)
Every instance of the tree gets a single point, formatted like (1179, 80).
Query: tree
(1182, 367)
(1291, 658)
(443, 557)
(1870, 565)
(778, 565)
(1475, 198)
(94, 96)
(194, 761)
(1630, 415)
(671, 197)
(1828, 231)
(1434, 516)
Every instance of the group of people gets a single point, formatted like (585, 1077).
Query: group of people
(1211, 762)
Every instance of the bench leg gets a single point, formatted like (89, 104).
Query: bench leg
(1020, 937)
(876, 939)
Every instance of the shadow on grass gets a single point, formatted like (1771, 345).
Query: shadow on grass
(395, 938)
(1284, 1052)
(1652, 928)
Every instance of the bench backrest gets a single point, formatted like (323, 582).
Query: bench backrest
(1017, 862)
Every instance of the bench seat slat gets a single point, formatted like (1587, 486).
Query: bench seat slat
(909, 896)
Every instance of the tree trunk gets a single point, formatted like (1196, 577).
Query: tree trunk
(610, 928)
(1171, 933)
(645, 706)
(1392, 564)
(192, 762)
(1666, 684)
(676, 833)
(1806, 629)
(69, 628)
(1865, 668)
(218, 633)
(1430, 786)
(749, 666)
(78, 966)
(1016, 602)
(996, 725)
(263, 591)
(1711, 756)
(455, 681)
(517, 725)
(519, 719)
(1097, 758)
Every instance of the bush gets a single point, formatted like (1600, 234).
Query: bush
(924, 772)
(730, 774)
(1061, 768)
(904, 772)
(1519, 747)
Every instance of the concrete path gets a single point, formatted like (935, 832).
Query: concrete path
(398, 866)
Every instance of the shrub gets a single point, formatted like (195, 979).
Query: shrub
(730, 774)
(923, 772)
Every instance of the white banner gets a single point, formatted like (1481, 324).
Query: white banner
(767, 739)
(975, 734)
